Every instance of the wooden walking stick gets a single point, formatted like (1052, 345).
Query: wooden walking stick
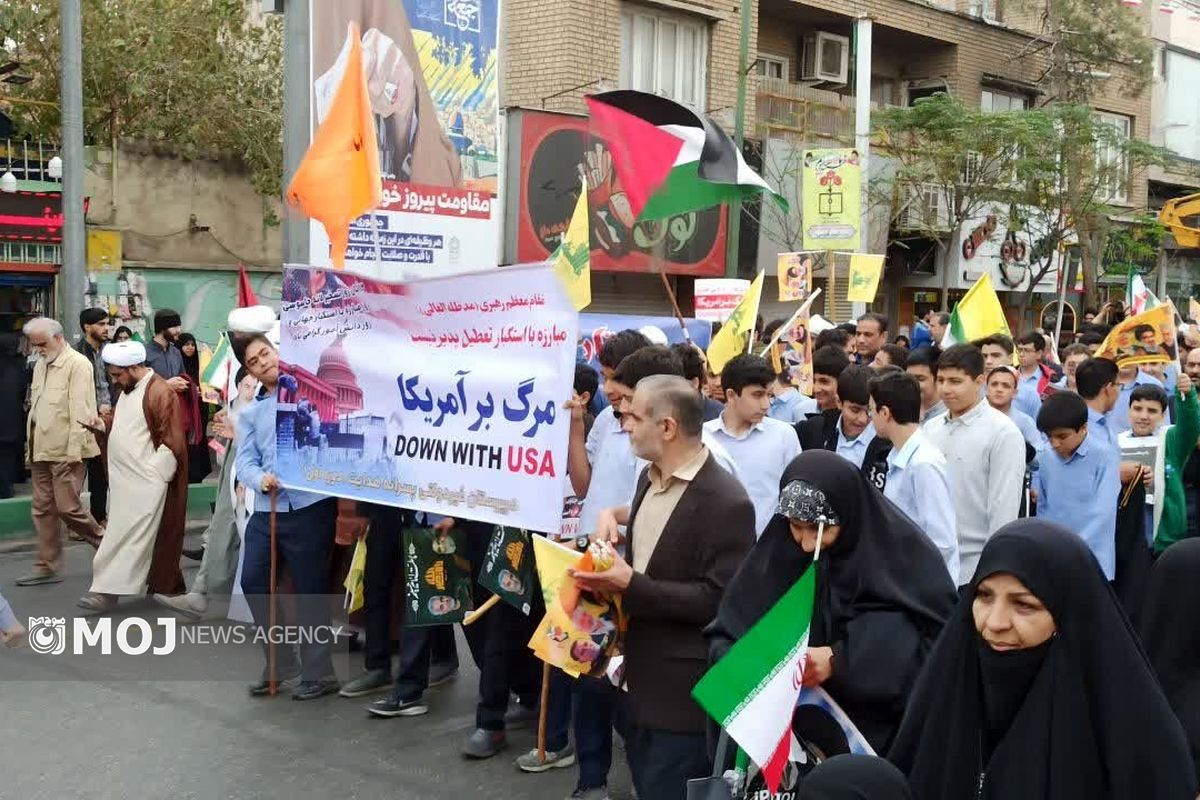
(545, 704)
(272, 683)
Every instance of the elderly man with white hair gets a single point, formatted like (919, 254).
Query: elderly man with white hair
(59, 440)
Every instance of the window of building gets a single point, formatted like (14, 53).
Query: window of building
(984, 9)
(666, 54)
(1111, 162)
(773, 67)
(994, 101)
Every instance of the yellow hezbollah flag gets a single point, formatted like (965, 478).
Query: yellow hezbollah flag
(356, 575)
(978, 314)
(338, 180)
(734, 335)
(572, 259)
(865, 271)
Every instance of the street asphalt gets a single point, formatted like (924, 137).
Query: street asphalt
(80, 728)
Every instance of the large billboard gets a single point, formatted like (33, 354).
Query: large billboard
(432, 76)
(556, 150)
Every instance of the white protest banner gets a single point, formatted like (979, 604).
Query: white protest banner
(716, 298)
(443, 395)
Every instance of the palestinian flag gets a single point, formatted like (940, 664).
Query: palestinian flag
(752, 691)
(669, 159)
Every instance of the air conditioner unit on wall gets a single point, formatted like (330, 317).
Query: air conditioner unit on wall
(825, 57)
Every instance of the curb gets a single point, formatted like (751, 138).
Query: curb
(16, 521)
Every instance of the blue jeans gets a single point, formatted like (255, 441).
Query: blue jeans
(589, 703)
(305, 538)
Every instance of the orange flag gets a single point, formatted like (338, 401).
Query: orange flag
(338, 180)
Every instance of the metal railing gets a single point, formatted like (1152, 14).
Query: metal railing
(27, 160)
(801, 113)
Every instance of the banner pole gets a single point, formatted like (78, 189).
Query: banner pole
(787, 325)
(542, 709)
(272, 682)
(659, 256)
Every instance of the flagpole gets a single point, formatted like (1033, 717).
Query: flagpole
(1062, 296)
(658, 254)
(787, 325)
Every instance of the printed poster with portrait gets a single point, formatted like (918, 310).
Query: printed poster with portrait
(507, 568)
(795, 274)
(792, 353)
(437, 577)
(433, 81)
(581, 632)
(1147, 338)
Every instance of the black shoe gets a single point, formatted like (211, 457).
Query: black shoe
(194, 553)
(395, 707)
(286, 684)
(484, 744)
(311, 690)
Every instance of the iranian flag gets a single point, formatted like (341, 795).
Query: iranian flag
(1137, 295)
(668, 158)
(752, 691)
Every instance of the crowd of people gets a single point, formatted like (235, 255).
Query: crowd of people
(1002, 604)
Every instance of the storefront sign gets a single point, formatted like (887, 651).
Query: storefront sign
(555, 150)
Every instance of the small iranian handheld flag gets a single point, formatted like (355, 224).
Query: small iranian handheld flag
(752, 690)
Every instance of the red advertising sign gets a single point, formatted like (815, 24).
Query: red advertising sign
(31, 217)
(556, 149)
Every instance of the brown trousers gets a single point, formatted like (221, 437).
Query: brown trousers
(56, 489)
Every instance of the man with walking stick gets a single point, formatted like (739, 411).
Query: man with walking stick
(292, 526)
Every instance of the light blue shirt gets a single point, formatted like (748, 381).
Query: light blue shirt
(256, 456)
(1118, 418)
(7, 618)
(1099, 424)
(1028, 400)
(1081, 494)
(614, 469)
(1027, 427)
(854, 450)
(761, 454)
(791, 407)
(918, 484)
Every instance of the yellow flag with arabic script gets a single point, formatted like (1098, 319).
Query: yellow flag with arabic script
(572, 259)
(865, 271)
(356, 577)
(734, 335)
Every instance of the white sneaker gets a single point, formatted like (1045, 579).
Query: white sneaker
(192, 604)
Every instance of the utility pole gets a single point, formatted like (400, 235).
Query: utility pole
(733, 239)
(72, 279)
(862, 134)
(297, 125)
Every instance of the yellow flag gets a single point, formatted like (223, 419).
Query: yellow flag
(734, 335)
(356, 575)
(978, 314)
(865, 271)
(572, 259)
(338, 179)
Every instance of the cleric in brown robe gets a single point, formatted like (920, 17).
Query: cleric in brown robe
(147, 466)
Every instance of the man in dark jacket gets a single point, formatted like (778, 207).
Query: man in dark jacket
(690, 526)
(94, 324)
(847, 430)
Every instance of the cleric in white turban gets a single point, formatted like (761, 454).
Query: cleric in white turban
(252, 319)
(147, 483)
(129, 353)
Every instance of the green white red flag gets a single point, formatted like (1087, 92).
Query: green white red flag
(752, 690)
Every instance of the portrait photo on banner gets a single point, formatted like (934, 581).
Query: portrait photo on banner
(432, 81)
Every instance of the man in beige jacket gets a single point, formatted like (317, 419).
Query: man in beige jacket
(62, 408)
